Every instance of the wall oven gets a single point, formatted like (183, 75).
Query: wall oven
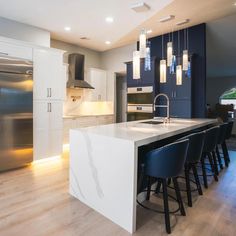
(140, 103)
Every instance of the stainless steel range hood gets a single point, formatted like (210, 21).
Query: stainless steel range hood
(76, 72)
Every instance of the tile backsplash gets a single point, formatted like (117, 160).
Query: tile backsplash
(77, 103)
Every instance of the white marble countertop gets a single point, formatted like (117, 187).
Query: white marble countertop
(78, 116)
(141, 133)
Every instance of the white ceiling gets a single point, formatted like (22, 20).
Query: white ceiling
(87, 17)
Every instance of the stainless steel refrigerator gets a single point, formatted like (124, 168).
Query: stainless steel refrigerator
(16, 113)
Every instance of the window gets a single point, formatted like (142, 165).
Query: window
(229, 97)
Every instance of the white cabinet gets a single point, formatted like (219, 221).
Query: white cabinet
(98, 79)
(13, 50)
(48, 129)
(49, 74)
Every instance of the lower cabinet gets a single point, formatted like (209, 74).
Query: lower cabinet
(82, 122)
(48, 129)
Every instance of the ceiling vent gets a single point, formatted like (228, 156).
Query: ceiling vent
(140, 7)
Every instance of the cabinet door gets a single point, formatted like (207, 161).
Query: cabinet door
(49, 78)
(183, 91)
(41, 144)
(55, 115)
(41, 115)
(13, 50)
(180, 109)
(56, 142)
(97, 78)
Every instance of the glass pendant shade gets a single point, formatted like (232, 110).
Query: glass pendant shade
(163, 71)
(142, 44)
(147, 61)
(185, 60)
(169, 53)
(173, 65)
(136, 65)
(179, 75)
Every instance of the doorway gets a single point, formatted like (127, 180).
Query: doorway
(121, 97)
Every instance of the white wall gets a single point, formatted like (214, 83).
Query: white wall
(28, 33)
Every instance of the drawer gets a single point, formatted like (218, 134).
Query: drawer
(12, 50)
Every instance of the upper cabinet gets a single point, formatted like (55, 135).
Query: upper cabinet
(49, 75)
(13, 50)
(147, 77)
(98, 79)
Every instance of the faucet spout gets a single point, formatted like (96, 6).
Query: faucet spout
(167, 106)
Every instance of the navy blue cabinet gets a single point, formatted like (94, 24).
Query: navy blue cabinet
(180, 108)
(147, 77)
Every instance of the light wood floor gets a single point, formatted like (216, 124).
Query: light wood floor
(35, 201)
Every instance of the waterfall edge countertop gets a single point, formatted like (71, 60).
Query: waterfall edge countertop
(104, 164)
(141, 132)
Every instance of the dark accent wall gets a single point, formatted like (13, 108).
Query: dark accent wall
(197, 48)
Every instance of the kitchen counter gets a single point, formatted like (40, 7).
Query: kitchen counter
(78, 116)
(104, 160)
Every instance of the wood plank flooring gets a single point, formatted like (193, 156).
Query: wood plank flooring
(34, 201)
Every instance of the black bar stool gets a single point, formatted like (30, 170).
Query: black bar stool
(227, 136)
(210, 143)
(220, 141)
(195, 148)
(162, 164)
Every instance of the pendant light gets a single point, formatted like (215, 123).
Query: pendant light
(169, 51)
(147, 61)
(185, 52)
(142, 43)
(136, 65)
(179, 66)
(162, 66)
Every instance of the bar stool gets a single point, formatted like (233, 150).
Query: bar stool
(227, 136)
(195, 148)
(162, 164)
(210, 143)
(220, 141)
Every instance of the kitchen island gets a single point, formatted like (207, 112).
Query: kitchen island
(104, 163)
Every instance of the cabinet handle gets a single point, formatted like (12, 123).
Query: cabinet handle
(172, 94)
(48, 108)
(50, 92)
(175, 94)
(47, 92)
(4, 53)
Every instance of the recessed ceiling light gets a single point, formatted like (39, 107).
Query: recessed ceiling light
(149, 31)
(107, 42)
(235, 4)
(67, 28)
(167, 18)
(109, 19)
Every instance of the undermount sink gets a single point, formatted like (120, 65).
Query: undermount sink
(152, 122)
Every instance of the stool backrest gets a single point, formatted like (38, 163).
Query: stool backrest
(196, 143)
(229, 129)
(168, 161)
(211, 139)
(222, 133)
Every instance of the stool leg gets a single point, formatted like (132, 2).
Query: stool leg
(199, 187)
(166, 206)
(148, 188)
(212, 166)
(188, 186)
(178, 195)
(225, 153)
(204, 171)
(158, 188)
(219, 157)
(215, 162)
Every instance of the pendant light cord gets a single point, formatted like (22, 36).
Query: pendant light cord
(179, 46)
(162, 50)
